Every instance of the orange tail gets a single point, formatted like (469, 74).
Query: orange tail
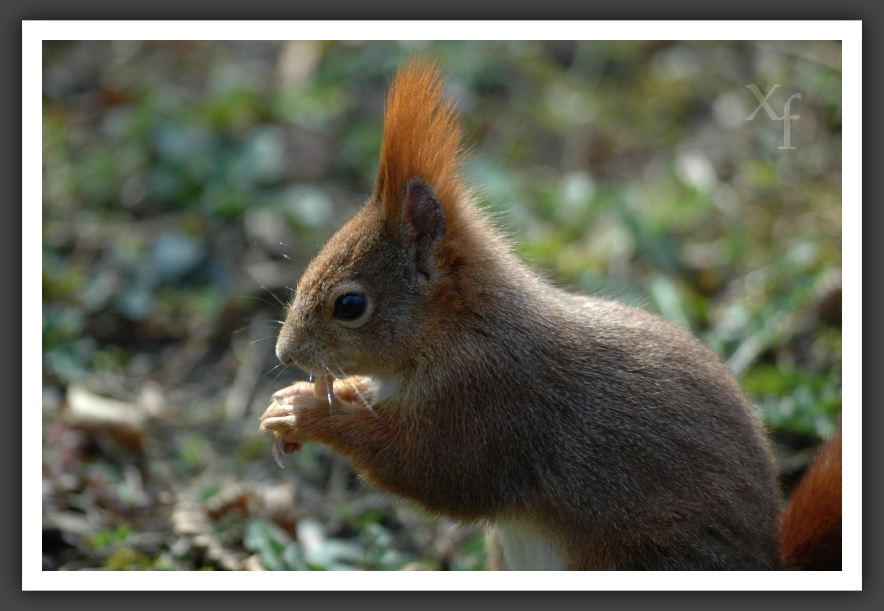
(811, 538)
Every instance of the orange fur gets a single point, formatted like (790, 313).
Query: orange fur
(811, 538)
(422, 139)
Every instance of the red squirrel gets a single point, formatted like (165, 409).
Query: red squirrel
(585, 434)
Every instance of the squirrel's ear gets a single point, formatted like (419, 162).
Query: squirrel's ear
(424, 218)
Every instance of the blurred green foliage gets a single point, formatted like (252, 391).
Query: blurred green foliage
(175, 174)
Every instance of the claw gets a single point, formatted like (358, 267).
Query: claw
(278, 452)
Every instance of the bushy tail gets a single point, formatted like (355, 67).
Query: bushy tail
(811, 537)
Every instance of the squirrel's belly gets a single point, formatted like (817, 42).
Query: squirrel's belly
(527, 549)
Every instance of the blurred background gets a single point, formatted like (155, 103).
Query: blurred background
(186, 185)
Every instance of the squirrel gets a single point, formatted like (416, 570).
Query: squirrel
(584, 434)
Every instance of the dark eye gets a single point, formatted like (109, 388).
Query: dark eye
(349, 306)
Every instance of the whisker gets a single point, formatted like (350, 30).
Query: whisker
(359, 395)
(261, 339)
(282, 254)
(281, 302)
(261, 299)
(281, 368)
(269, 371)
(258, 322)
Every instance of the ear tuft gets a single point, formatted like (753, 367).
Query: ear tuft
(422, 138)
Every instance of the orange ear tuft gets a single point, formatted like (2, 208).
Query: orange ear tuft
(422, 140)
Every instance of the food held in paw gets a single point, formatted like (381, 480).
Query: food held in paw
(323, 386)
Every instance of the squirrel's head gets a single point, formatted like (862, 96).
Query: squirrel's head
(400, 269)
(367, 301)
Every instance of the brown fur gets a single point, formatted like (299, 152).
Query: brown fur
(614, 433)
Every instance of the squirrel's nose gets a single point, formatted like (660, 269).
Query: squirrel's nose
(285, 345)
(284, 352)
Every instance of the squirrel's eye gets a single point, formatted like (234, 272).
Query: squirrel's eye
(349, 306)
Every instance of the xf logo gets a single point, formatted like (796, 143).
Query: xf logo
(787, 117)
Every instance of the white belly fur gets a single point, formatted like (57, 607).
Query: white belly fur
(382, 390)
(526, 549)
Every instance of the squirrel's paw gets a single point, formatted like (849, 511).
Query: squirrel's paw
(287, 394)
(278, 423)
(294, 407)
(280, 420)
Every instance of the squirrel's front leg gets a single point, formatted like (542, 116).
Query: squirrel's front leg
(328, 412)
